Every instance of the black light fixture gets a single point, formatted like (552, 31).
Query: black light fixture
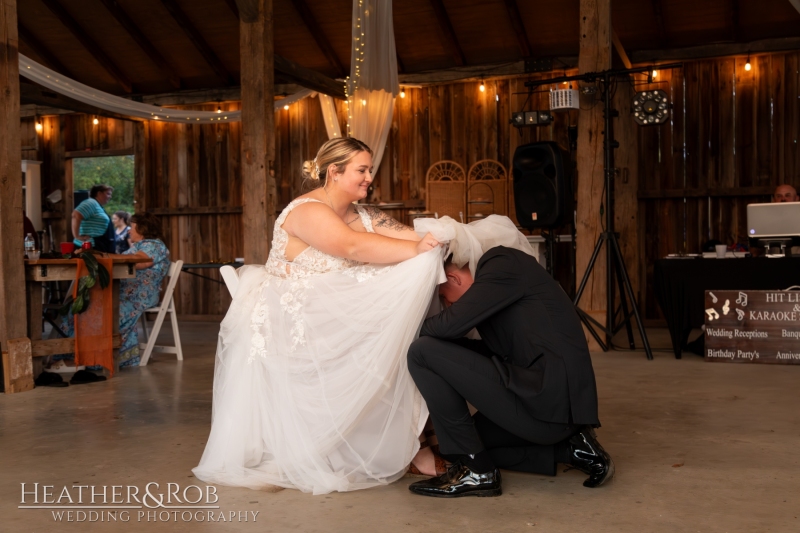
(522, 119)
(650, 107)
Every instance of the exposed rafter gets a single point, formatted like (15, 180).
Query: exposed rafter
(620, 50)
(447, 33)
(42, 51)
(198, 41)
(233, 6)
(733, 15)
(308, 78)
(658, 11)
(247, 10)
(144, 43)
(31, 93)
(91, 46)
(519, 28)
(289, 71)
(319, 37)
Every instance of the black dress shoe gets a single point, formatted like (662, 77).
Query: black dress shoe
(458, 481)
(589, 457)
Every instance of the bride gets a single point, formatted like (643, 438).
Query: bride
(311, 389)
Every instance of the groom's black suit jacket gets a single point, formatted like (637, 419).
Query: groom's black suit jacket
(531, 331)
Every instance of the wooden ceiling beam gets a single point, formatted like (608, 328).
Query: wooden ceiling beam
(42, 51)
(316, 32)
(447, 34)
(708, 51)
(289, 70)
(658, 11)
(198, 41)
(31, 93)
(234, 7)
(620, 50)
(311, 79)
(519, 28)
(144, 43)
(88, 43)
(733, 15)
(247, 10)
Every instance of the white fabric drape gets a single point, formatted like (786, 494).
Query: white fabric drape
(329, 115)
(468, 242)
(88, 95)
(373, 84)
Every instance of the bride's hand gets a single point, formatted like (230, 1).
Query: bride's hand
(427, 243)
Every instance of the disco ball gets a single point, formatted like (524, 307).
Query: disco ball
(650, 107)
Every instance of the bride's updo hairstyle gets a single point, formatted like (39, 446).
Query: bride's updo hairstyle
(337, 152)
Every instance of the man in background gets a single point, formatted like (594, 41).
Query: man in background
(91, 223)
(784, 193)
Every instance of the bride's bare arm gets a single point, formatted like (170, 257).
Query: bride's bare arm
(318, 226)
(390, 227)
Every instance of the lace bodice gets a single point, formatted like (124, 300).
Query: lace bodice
(310, 261)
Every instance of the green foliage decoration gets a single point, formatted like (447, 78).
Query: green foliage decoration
(97, 274)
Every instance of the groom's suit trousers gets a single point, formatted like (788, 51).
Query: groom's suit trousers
(450, 373)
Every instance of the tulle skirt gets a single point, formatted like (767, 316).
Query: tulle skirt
(311, 387)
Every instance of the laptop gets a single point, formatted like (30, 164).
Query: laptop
(773, 220)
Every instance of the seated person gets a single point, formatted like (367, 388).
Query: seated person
(136, 294)
(142, 292)
(530, 378)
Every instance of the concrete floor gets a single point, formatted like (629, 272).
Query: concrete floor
(698, 447)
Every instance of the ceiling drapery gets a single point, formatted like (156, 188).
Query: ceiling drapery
(373, 84)
(56, 82)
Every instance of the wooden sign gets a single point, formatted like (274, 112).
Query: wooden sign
(753, 327)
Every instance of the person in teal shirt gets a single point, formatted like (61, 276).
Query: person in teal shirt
(90, 222)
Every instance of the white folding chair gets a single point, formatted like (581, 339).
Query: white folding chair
(167, 306)
(231, 278)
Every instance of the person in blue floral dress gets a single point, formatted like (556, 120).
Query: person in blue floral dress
(142, 292)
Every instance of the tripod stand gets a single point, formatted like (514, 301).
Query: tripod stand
(616, 272)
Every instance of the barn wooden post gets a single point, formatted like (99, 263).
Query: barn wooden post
(594, 56)
(258, 128)
(15, 345)
(141, 139)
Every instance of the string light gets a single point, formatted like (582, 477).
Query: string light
(286, 107)
(39, 126)
(219, 109)
(402, 93)
(655, 74)
(482, 87)
(747, 64)
(96, 122)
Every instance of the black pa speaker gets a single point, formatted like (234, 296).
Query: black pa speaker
(542, 185)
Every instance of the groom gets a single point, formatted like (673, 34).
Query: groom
(530, 378)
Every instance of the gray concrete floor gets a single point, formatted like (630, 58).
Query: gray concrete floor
(698, 447)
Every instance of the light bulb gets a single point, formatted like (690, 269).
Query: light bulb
(363, 102)
(219, 109)
(482, 87)
(96, 122)
(402, 93)
(286, 107)
(655, 74)
(39, 125)
(747, 65)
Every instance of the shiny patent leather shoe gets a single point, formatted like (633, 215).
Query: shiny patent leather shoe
(589, 457)
(459, 481)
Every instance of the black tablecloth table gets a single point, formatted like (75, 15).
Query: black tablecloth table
(680, 286)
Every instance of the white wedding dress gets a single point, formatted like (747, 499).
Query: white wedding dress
(311, 388)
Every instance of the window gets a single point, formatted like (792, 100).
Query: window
(116, 171)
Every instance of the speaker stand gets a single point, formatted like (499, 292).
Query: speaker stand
(616, 318)
(549, 251)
